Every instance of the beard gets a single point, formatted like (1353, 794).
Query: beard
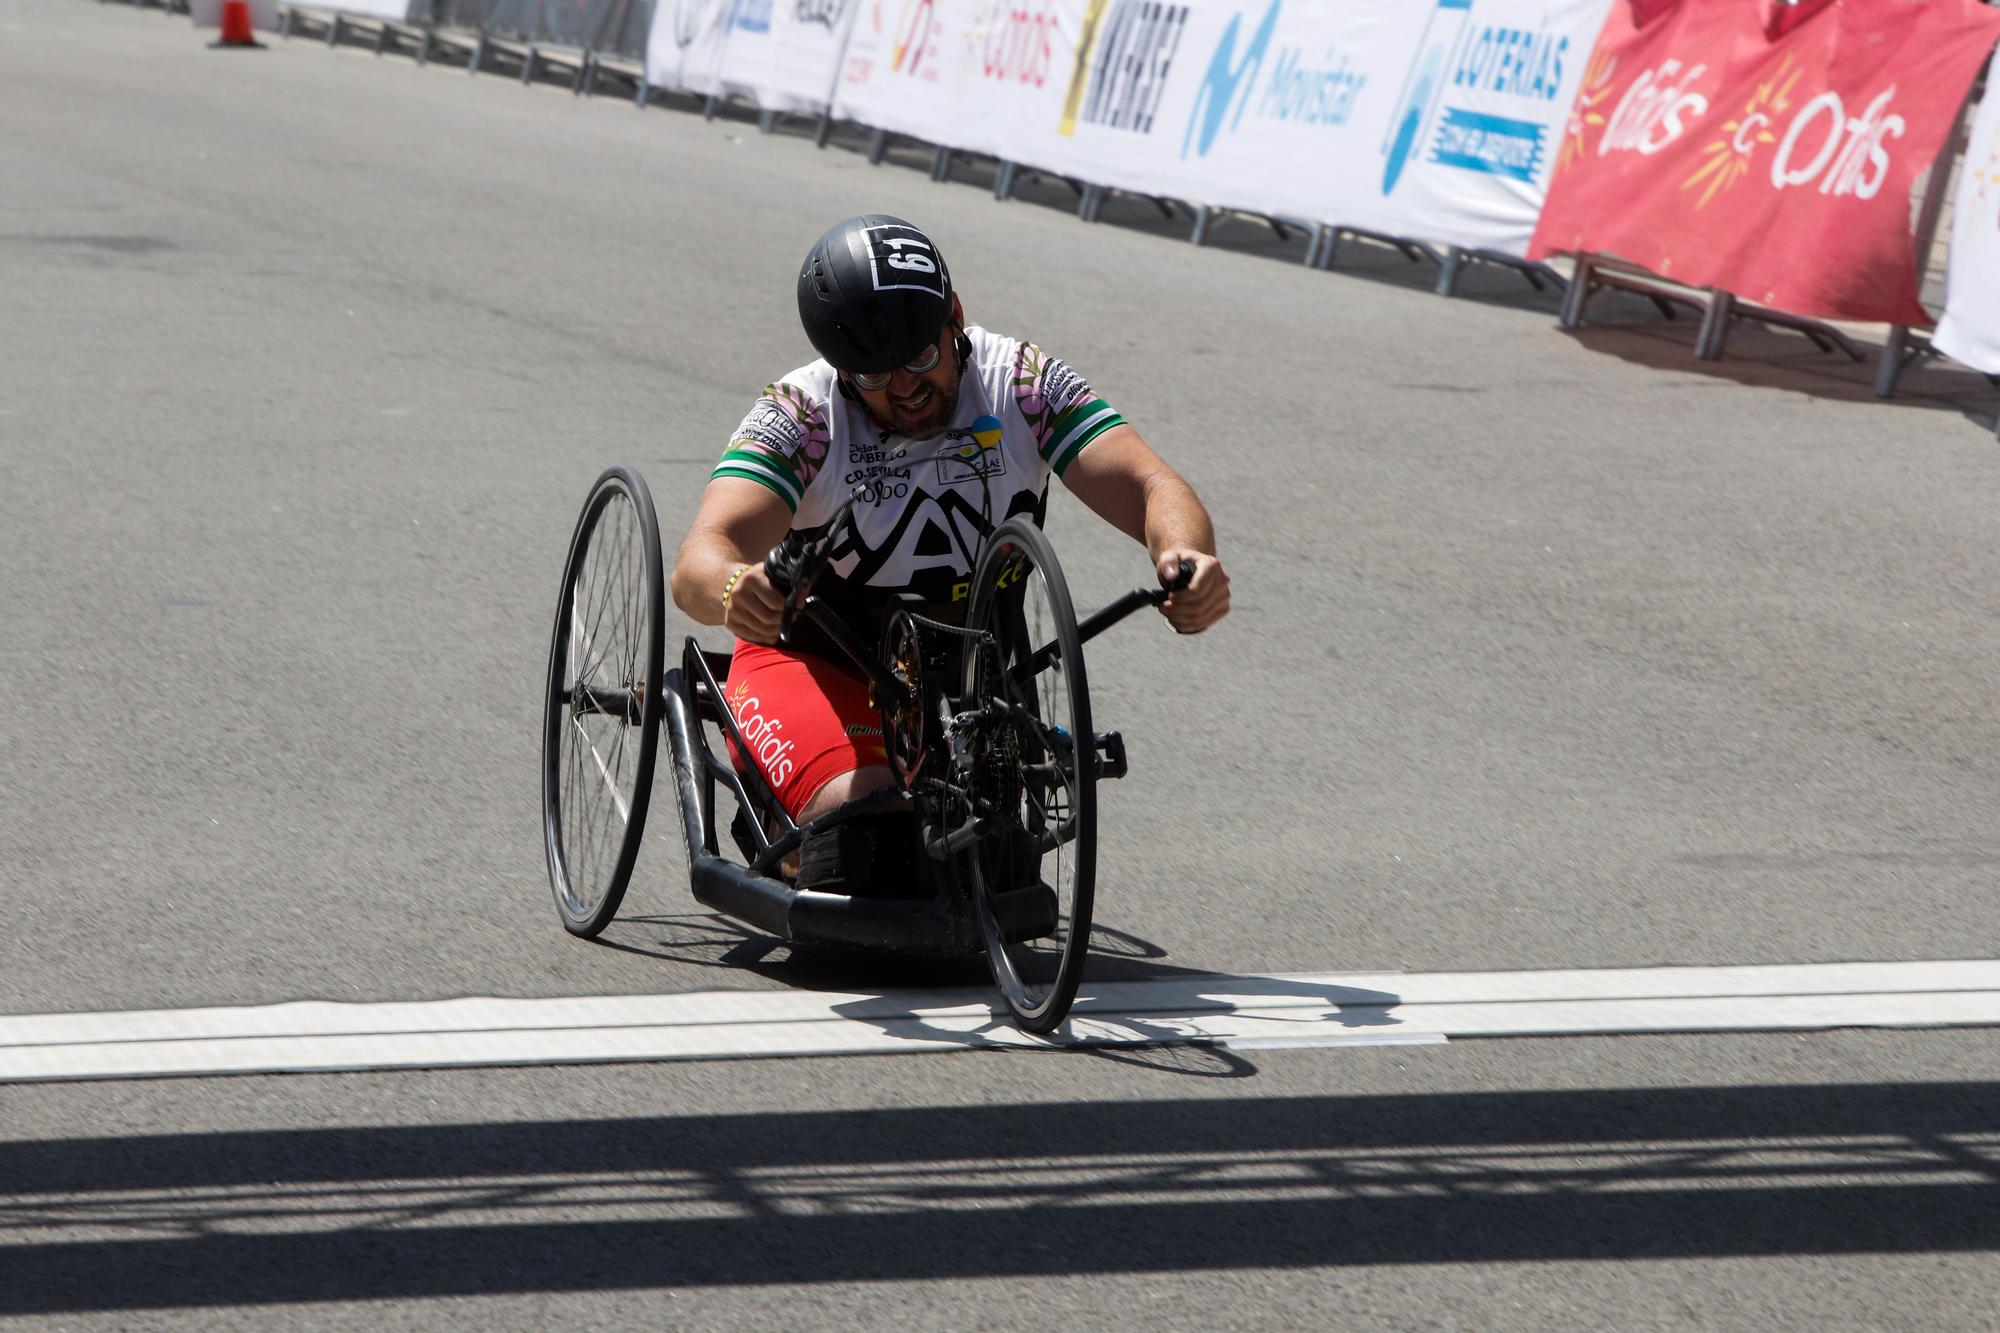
(926, 417)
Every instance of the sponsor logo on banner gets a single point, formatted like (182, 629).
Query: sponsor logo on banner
(1587, 112)
(1423, 85)
(751, 16)
(1226, 77)
(1776, 167)
(1656, 110)
(1509, 66)
(1296, 91)
(1727, 158)
(1017, 44)
(822, 13)
(1819, 146)
(1122, 65)
(912, 41)
(1852, 157)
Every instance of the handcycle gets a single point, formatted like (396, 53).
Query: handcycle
(986, 723)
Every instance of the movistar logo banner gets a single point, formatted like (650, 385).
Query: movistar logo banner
(1226, 86)
(1301, 88)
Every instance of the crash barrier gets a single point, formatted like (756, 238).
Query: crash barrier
(586, 38)
(604, 27)
(1707, 128)
(1756, 159)
(1699, 141)
(1434, 120)
(1689, 133)
(781, 55)
(1970, 329)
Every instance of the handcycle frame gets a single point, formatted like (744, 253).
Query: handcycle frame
(750, 893)
(989, 766)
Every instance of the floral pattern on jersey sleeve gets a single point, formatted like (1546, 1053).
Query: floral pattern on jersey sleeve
(1060, 408)
(781, 444)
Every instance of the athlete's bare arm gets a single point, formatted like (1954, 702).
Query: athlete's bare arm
(737, 525)
(1125, 483)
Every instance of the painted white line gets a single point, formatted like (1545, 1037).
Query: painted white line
(1253, 1012)
(423, 1050)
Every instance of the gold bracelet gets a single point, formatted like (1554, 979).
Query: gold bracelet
(730, 587)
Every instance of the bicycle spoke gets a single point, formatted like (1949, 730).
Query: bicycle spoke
(598, 746)
(1037, 883)
(610, 784)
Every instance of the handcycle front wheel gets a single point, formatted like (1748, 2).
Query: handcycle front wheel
(601, 724)
(1034, 872)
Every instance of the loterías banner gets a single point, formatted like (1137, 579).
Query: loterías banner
(1766, 149)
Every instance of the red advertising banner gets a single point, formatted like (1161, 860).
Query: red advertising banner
(1766, 149)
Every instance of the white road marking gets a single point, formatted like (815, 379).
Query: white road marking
(1250, 1012)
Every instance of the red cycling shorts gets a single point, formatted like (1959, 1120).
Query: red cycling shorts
(803, 719)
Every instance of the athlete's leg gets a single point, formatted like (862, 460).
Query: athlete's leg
(845, 787)
(810, 726)
(813, 731)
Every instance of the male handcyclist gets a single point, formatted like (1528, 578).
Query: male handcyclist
(943, 431)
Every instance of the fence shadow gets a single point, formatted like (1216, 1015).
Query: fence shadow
(1631, 329)
(271, 1217)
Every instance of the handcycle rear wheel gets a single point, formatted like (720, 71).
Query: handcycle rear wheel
(1034, 873)
(601, 724)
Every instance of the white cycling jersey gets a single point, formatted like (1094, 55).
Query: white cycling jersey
(925, 502)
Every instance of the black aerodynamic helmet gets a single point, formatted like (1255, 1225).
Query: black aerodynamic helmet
(873, 293)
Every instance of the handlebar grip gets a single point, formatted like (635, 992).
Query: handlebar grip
(780, 564)
(1160, 594)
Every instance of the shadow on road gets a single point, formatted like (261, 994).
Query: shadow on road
(710, 940)
(270, 1217)
(1627, 327)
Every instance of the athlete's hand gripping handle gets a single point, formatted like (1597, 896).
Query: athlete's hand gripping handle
(1168, 587)
(783, 567)
(1194, 592)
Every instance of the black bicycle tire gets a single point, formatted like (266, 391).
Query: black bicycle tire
(586, 920)
(1048, 1012)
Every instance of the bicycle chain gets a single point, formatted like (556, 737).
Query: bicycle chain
(960, 631)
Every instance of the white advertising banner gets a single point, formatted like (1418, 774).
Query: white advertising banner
(1481, 116)
(685, 44)
(1437, 119)
(1969, 332)
(395, 11)
(1434, 119)
(981, 75)
(1279, 106)
(785, 54)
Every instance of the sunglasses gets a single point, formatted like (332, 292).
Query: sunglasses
(926, 360)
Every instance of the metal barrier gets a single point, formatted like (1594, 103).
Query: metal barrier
(1907, 348)
(591, 40)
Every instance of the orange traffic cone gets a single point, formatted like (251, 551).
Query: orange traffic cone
(236, 30)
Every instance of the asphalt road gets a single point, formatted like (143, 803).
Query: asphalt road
(1549, 651)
